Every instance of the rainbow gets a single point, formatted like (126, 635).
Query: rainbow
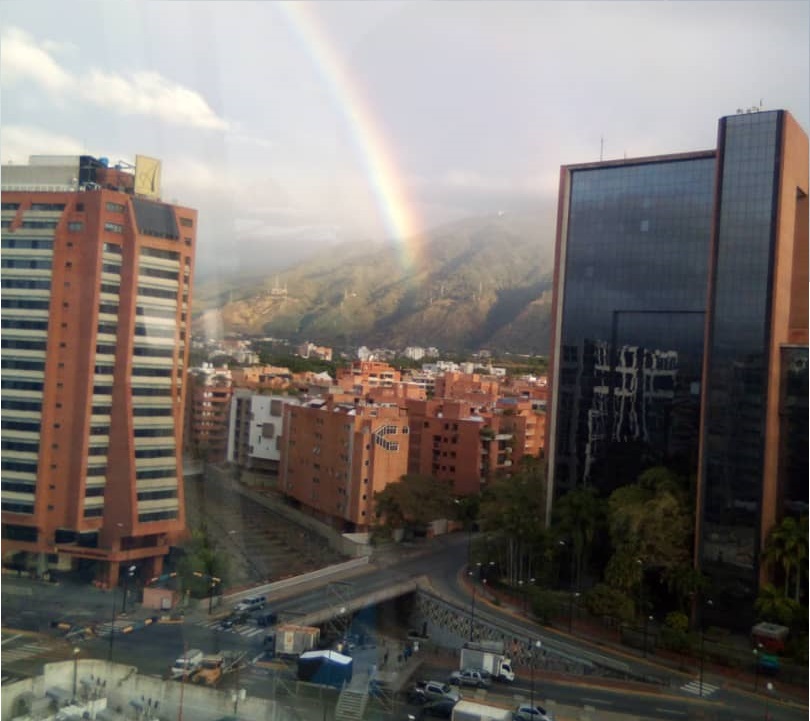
(378, 159)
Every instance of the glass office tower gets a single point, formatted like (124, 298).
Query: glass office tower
(633, 294)
(759, 263)
(680, 335)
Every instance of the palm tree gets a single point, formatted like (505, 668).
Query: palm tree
(577, 516)
(774, 606)
(786, 545)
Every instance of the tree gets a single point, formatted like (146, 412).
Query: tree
(202, 557)
(786, 545)
(685, 582)
(603, 600)
(413, 502)
(773, 605)
(511, 513)
(577, 517)
(652, 519)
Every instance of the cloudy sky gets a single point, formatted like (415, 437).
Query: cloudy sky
(288, 125)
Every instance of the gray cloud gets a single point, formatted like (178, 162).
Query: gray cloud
(476, 104)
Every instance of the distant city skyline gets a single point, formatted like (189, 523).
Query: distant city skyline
(297, 124)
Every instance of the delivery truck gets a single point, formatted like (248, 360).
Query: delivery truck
(487, 656)
(291, 640)
(186, 664)
(473, 711)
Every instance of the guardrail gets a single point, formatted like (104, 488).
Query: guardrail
(267, 589)
(350, 605)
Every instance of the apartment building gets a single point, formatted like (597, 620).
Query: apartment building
(256, 428)
(208, 412)
(336, 455)
(97, 275)
(363, 376)
(469, 445)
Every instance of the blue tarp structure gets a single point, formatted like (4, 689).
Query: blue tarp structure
(329, 668)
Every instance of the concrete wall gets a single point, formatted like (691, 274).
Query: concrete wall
(124, 685)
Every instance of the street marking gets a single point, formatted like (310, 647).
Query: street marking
(6, 640)
(598, 701)
(26, 651)
(694, 687)
(671, 710)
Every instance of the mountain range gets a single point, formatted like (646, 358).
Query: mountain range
(482, 282)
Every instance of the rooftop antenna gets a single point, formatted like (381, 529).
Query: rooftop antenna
(601, 147)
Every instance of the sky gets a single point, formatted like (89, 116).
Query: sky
(296, 126)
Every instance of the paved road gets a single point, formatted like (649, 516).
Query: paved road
(29, 606)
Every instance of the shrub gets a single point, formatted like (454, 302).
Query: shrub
(603, 600)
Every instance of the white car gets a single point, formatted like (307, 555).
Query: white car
(254, 603)
(470, 677)
(531, 713)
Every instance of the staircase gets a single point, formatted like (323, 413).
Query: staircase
(351, 705)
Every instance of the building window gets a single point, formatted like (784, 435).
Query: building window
(114, 227)
(186, 222)
(48, 206)
(115, 207)
(75, 226)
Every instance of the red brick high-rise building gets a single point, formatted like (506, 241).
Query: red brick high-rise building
(97, 276)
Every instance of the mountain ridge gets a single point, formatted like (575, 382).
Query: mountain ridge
(481, 282)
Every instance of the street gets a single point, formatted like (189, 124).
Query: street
(29, 608)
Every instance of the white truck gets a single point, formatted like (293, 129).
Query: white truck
(186, 664)
(473, 711)
(487, 656)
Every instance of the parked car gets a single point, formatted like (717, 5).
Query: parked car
(266, 618)
(425, 691)
(531, 713)
(470, 677)
(254, 603)
(440, 708)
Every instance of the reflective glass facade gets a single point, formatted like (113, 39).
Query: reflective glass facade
(794, 432)
(738, 354)
(632, 319)
(680, 337)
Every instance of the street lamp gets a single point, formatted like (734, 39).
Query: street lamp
(472, 606)
(769, 688)
(76, 651)
(571, 583)
(129, 574)
(469, 524)
(757, 651)
(212, 582)
(537, 645)
(571, 610)
(112, 626)
(646, 619)
(702, 645)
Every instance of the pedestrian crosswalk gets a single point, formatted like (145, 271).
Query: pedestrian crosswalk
(25, 650)
(245, 630)
(696, 688)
